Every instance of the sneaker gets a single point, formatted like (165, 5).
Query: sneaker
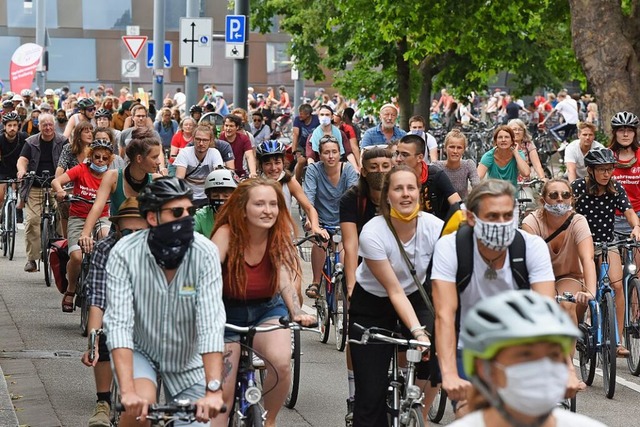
(258, 363)
(30, 267)
(348, 419)
(101, 416)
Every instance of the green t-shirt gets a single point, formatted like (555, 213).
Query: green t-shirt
(204, 219)
(508, 173)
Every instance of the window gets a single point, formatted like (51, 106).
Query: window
(8, 45)
(19, 17)
(173, 11)
(107, 15)
(72, 60)
(277, 57)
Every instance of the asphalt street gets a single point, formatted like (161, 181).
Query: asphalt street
(40, 349)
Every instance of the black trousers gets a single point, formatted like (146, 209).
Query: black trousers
(371, 361)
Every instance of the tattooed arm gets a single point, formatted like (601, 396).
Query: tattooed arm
(289, 294)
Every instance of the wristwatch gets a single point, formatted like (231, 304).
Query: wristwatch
(214, 386)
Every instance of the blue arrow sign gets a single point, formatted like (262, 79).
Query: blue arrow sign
(235, 30)
(167, 54)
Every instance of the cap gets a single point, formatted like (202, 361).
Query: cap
(17, 98)
(49, 92)
(45, 106)
(128, 209)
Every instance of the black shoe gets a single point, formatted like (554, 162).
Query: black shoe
(348, 419)
(19, 216)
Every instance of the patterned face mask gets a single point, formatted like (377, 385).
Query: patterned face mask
(496, 236)
(170, 241)
(557, 209)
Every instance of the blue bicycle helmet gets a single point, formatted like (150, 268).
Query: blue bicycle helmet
(270, 148)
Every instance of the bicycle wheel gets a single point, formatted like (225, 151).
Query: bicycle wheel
(253, 417)
(609, 345)
(438, 406)
(586, 347)
(11, 229)
(322, 309)
(44, 248)
(414, 417)
(292, 397)
(632, 329)
(340, 315)
(81, 295)
(115, 400)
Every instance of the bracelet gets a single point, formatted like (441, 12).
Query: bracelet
(417, 328)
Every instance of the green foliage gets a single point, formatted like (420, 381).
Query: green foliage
(463, 44)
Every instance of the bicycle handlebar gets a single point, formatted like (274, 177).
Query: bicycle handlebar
(168, 411)
(566, 296)
(369, 333)
(531, 182)
(285, 323)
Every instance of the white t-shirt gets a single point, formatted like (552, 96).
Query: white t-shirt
(445, 267)
(196, 171)
(431, 142)
(563, 418)
(180, 98)
(377, 243)
(569, 110)
(573, 154)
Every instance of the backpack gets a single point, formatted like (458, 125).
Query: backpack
(58, 258)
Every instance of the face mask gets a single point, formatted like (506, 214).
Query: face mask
(558, 209)
(406, 218)
(496, 236)
(534, 388)
(375, 180)
(169, 242)
(325, 121)
(35, 122)
(216, 204)
(23, 118)
(62, 119)
(99, 169)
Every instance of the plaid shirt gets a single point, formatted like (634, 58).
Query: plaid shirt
(97, 276)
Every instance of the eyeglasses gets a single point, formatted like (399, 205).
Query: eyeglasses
(566, 195)
(179, 211)
(402, 154)
(328, 138)
(257, 120)
(604, 170)
(90, 109)
(103, 158)
(202, 139)
(140, 117)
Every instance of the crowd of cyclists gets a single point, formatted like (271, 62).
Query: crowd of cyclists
(189, 226)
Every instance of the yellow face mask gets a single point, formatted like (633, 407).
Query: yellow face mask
(406, 218)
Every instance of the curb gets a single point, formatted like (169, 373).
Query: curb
(7, 412)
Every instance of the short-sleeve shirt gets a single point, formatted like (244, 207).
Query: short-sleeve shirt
(356, 209)
(323, 195)
(196, 170)
(240, 145)
(225, 150)
(445, 267)
(374, 136)
(85, 185)
(377, 243)
(67, 158)
(566, 260)
(305, 129)
(569, 110)
(573, 154)
(460, 178)
(179, 140)
(600, 210)
(435, 192)
(630, 180)
(10, 153)
(507, 173)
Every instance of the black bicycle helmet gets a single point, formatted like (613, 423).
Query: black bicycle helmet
(624, 119)
(101, 143)
(85, 103)
(161, 191)
(270, 148)
(599, 156)
(7, 103)
(103, 112)
(195, 109)
(10, 117)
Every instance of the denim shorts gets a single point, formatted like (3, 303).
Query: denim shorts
(252, 313)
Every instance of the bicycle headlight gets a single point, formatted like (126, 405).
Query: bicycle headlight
(632, 268)
(413, 392)
(253, 395)
(337, 238)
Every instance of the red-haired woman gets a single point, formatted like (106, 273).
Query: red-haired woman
(259, 268)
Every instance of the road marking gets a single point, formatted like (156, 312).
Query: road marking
(633, 386)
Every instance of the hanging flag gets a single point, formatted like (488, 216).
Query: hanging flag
(24, 63)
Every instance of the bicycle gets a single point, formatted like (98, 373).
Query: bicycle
(600, 329)
(9, 223)
(168, 414)
(331, 303)
(47, 222)
(247, 410)
(438, 406)
(525, 197)
(631, 289)
(405, 397)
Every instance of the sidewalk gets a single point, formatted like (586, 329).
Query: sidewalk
(7, 412)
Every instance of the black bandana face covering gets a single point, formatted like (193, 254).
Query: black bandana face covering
(169, 242)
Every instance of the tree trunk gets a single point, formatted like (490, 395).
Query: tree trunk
(404, 81)
(605, 42)
(423, 108)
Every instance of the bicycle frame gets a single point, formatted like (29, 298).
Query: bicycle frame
(629, 271)
(332, 267)
(604, 286)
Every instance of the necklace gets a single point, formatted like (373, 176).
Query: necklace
(490, 273)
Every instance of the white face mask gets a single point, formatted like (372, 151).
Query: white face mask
(534, 388)
(557, 209)
(496, 235)
(324, 120)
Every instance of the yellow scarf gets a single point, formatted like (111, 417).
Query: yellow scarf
(406, 218)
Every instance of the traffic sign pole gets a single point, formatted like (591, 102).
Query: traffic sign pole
(191, 79)
(241, 65)
(158, 52)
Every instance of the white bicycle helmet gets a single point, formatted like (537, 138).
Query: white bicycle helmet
(513, 318)
(624, 119)
(220, 178)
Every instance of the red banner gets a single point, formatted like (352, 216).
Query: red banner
(24, 63)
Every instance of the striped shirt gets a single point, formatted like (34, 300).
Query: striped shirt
(97, 275)
(171, 324)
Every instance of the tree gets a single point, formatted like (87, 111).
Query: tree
(605, 39)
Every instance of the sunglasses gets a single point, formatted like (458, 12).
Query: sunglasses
(126, 231)
(328, 138)
(103, 158)
(90, 109)
(566, 195)
(257, 120)
(179, 211)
